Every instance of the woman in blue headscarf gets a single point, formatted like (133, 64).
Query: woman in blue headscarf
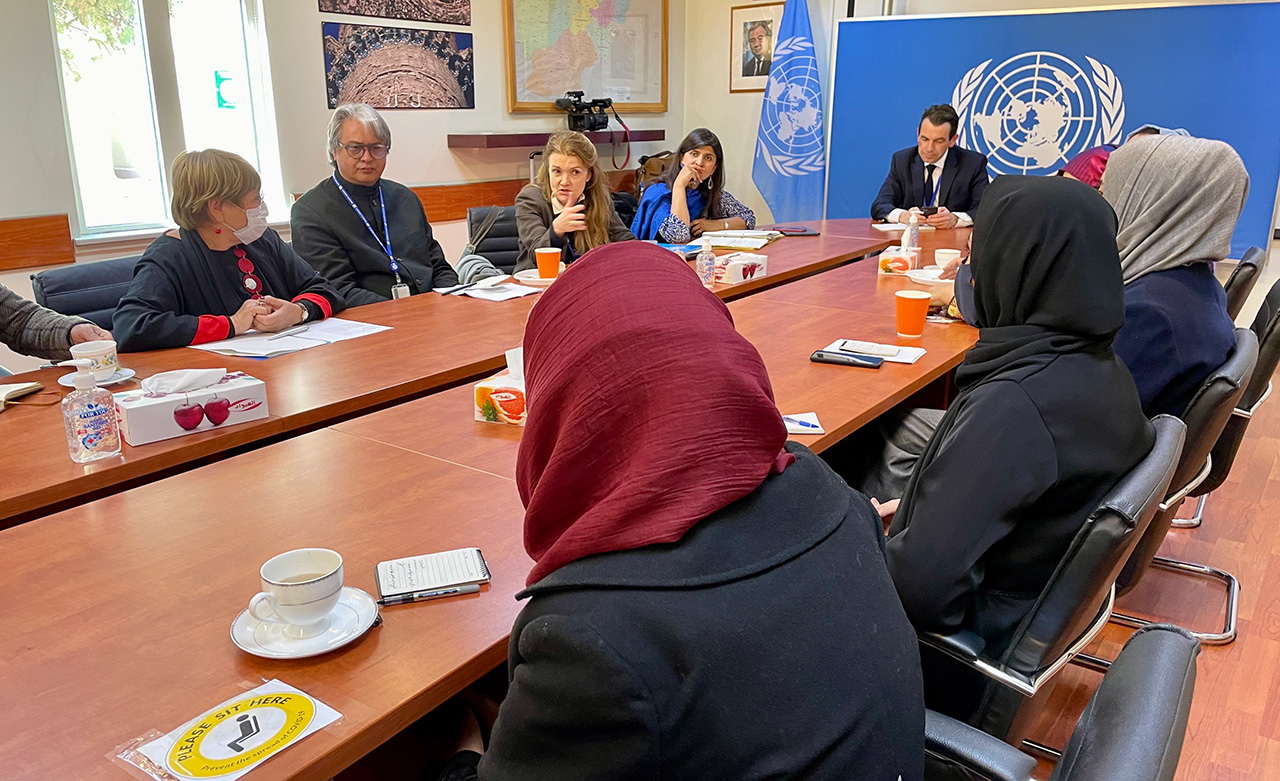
(690, 198)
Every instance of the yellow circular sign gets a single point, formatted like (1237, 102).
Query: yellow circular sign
(234, 737)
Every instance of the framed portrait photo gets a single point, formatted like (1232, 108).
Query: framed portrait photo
(751, 38)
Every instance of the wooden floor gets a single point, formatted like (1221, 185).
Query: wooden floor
(1234, 730)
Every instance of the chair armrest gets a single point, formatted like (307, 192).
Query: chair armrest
(966, 648)
(957, 743)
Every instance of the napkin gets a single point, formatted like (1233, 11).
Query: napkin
(515, 363)
(182, 381)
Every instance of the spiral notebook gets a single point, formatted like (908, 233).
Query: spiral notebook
(431, 571)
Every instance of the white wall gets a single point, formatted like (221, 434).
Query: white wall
(420, 155)
(735, 117)
(37, 167)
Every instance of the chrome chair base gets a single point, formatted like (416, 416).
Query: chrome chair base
(1228, 633)
(1196, 518)
(1041, 750)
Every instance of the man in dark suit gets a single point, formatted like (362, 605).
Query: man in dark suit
(756, 62)
(934, 172)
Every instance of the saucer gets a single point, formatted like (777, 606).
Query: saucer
(530, 277)
(928, 276)
(121, 375)
(355, 612)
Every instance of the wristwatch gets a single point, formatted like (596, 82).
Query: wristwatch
(306, 313)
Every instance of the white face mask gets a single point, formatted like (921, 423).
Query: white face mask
(256, 225)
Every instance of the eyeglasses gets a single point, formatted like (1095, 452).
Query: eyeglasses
(357, 151)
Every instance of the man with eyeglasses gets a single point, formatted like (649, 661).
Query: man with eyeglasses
(367, 235)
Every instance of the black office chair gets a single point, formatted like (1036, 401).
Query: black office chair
(1206, 417)
(1257, 391)
(89, 290)
(1245, 275)
(501, 244)
(1076, 602)
(1131, 730)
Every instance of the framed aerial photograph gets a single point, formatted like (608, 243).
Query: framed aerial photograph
(615, 50)
(398, 67)
(751, 38)
(443, 11)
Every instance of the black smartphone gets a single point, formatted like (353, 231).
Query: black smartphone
(845, 359)
(929, 211)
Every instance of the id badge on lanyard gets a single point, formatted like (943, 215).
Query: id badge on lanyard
(399, 289)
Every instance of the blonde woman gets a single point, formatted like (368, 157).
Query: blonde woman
(568, 205)
(223, 272)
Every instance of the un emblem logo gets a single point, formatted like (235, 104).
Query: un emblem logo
(791, 125)
(1035, 111)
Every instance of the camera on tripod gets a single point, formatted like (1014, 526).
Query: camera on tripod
(585, 115)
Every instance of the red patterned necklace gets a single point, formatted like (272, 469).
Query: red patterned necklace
(250, 281)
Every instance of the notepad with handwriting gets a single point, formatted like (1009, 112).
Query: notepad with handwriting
(432, 571)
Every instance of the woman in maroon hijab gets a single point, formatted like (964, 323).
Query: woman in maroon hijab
(708, 600)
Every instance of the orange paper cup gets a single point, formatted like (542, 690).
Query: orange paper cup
(548, 262)
(913, 306)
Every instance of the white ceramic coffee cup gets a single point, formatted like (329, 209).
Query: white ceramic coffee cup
(299, 589)
(941, 257)
(101, 355)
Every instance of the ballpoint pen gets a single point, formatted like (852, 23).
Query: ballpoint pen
(799, 422)
(423, 596)
(290, 332)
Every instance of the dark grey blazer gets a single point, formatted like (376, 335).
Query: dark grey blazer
(767, 643)
(533, 221)
(30, 329)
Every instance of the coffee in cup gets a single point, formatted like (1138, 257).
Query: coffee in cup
(299, 590)
(101, 355)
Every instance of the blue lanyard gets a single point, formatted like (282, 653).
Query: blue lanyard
(386, 247)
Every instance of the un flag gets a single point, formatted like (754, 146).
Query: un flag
(790, 165)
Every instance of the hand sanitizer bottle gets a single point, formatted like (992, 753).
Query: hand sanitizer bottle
(911, 236)
(89, 415)
(706, 264)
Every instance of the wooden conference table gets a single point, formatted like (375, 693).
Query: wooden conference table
(435, 342)
(119, 609)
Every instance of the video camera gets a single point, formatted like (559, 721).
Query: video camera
(585, 115)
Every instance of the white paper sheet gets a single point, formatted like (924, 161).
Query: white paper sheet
(503, 292)
(905, 354)
(241, 733)
(796, 424)
(256, 344)
(897, 226)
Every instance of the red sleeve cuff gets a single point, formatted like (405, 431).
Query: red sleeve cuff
(212, 328)
(318, 300)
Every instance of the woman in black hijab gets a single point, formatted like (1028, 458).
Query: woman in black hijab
(1046, 422)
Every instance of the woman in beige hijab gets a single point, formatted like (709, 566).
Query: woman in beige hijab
(1177, 200)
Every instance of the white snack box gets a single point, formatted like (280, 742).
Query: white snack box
(238, 398)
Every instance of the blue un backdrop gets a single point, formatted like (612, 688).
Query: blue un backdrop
(1034, 89)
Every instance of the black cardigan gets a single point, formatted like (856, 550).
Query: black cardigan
(767, 643)
(184, 293)
(329, 235)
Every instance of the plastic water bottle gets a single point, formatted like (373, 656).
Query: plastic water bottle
(911, 236)
(89, 416)
(706, 264)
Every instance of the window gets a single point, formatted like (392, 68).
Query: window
(144, 79)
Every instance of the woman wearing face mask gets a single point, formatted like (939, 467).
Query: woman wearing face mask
(224, 272)
(568, 205)
(690, 199)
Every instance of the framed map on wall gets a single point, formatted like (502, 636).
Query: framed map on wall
(606, 48)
